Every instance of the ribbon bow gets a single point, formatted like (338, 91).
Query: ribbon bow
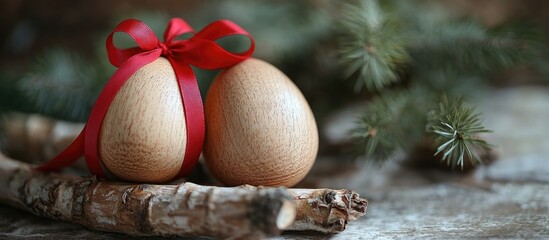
(200, 50)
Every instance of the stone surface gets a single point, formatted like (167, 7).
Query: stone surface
(450, 210)
(520, 120)
(508, 199)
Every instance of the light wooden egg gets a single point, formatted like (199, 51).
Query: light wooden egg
(259, 128)
(143, 135)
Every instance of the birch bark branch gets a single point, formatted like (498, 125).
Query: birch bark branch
(176, 210)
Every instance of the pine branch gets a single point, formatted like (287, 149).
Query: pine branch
(469, 47)
(373, 136)
(372, 48)
(61, 84)
(435, 54)
(456, 128)
(390, 126)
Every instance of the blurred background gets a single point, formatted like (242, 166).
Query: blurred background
(349, 58)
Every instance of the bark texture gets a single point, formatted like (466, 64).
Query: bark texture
(176, 210)
(166, 210)
(326, 210)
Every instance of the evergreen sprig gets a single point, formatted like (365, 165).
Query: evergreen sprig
(372, 49)
(435, 54)
(62, 85)
(389, 126)
(375, 136)
(457, 127)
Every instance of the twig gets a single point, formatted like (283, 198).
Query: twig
(326, 210)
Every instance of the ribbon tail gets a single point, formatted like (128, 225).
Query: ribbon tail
(194, 115)
(66, 158)
(126, 70)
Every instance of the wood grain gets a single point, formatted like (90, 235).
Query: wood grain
(143, 135)
(259, 127)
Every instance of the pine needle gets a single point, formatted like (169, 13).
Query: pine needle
(456, 128)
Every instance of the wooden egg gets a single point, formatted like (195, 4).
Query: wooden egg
(259, 128)
(143, 135)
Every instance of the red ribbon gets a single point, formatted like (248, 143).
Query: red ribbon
(200, 50)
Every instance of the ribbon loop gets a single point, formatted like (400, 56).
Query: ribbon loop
(142, 35)
(201, 50)
(219, 29)
(176, 27)
(207, 54)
